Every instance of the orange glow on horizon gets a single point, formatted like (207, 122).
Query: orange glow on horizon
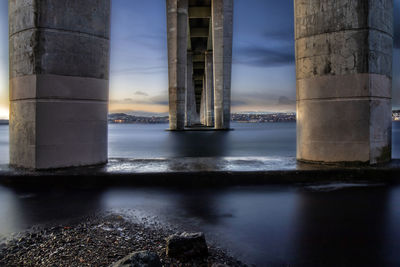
(123, 108)
(120, 107)
(4, 113)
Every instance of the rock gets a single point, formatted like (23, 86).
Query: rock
(187, 245)
(139, 259)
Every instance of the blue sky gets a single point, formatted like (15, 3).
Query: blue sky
(263, 56)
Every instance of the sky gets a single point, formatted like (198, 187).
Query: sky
(263, 71)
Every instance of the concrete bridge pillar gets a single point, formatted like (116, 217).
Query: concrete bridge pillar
(222, 29)
(209, 86)
(203, 105)
(177, 21)
(344, 70)
(59, 69)
(201, 114)
(190, 94)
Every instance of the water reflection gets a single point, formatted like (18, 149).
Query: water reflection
(10, 217)
(200, 205)
(344, 227)
(392, 229)
(261, 226)
(256, 224)
(21, 209)
(275, 225)
(199, 143)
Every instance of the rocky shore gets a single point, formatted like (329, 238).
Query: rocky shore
(100, 240)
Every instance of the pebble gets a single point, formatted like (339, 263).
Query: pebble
(88, 244)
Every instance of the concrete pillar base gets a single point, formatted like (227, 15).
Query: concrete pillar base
(177, 17)
(344, 71)
(222, 20)
(58, 83)
(209, 86)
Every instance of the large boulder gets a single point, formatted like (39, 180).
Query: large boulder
(139, 259)
(187, 245)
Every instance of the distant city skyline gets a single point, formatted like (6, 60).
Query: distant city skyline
(263, 57)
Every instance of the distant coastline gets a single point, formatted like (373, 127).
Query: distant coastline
(253, 117)
(122, 118)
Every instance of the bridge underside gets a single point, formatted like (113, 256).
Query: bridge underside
(59, 71)
(200, 65)
(199, 42)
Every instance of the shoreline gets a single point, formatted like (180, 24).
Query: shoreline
(97, 240)
(205, 172)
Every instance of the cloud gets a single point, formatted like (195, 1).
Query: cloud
(260, 100)
(141, 93)
(155, 42)
(276, 49)
(161, 102)
(129, 101)
(284, 100)
(156, 103)
(265, 99)
(140, 70)
(160, 99)
(286, 35)
(264, 57)
(237, 102)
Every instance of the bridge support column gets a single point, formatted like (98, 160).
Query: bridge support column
(177, 21)
(222, 29)
(190, 94)
(209, 86)
(203, 106)
(59, 67)
(344, 70)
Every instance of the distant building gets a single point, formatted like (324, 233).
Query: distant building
(118, 118)
(263, 117)
(396, 115)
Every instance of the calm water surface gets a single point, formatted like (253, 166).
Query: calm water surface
(340, 224)
(152, 141)
(344, 225)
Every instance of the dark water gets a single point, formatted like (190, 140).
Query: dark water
(339, 224)
(344, 225)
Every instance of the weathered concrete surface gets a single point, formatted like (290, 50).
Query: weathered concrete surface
(177, 17)
(203, 107)
(190, 112)
(72, 15)
(209, 86)
(344, 70)
(59, 68)
(222, 29)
